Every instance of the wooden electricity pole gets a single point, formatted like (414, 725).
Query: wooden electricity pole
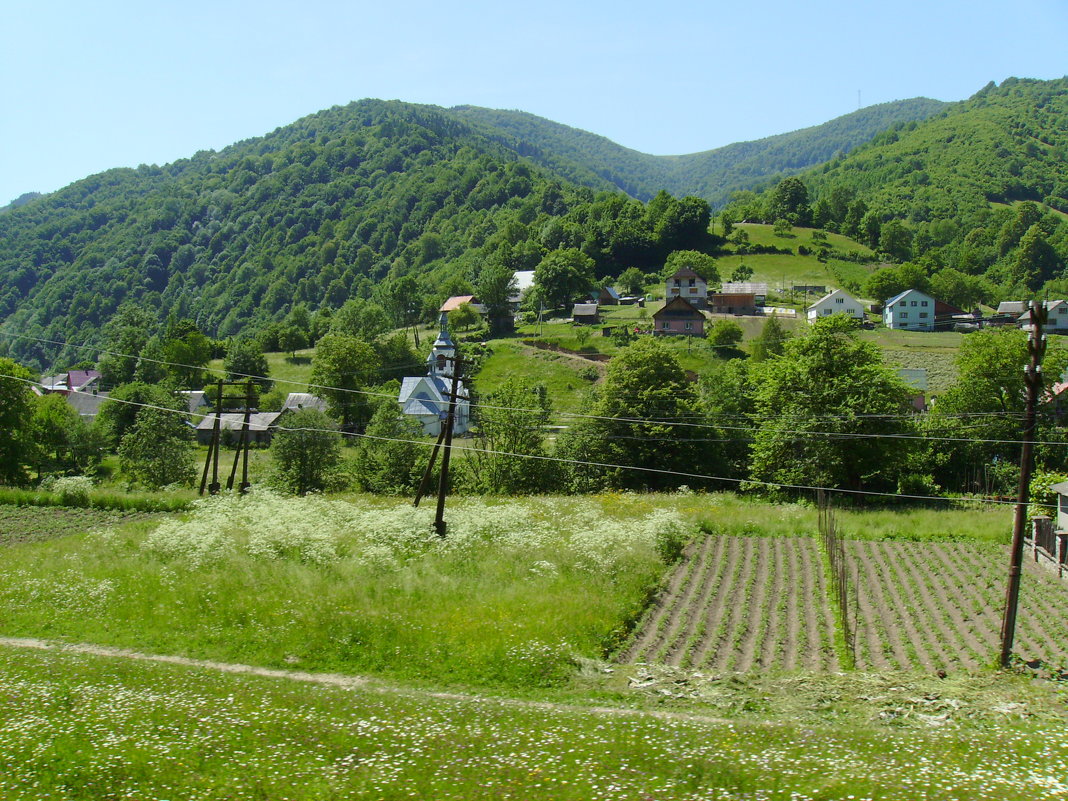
(1036, 348)
(444, 441)
(244, 441)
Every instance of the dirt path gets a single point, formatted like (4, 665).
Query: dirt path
(363, 683)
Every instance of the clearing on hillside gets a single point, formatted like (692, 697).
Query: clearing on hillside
(743, 603)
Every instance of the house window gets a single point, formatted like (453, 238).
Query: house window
(828, 311)
(692, 280)
(666, 325)
(693, 290)
(839, 300)
(922, 315)
(922, 303)
(913, 303)
(689, 326)
(678, 282)
(904, 315)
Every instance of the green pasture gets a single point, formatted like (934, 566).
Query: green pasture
(291, 373)
(522, 603)
(77, 726)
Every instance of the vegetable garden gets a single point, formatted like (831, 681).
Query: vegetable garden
(737, 603)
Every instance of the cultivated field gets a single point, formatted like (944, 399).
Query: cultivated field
(738, 603)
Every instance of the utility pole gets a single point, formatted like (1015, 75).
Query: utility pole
(244, 442)
(1036, 348)
(444, 440)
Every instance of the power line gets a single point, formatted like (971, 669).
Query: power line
(585, 416)
(585, 463)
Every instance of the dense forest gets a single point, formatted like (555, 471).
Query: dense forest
(399, 201)
(711, 174)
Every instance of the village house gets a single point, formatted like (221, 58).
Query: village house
(426, 397)
(689, 286)
(679, 316)
(837, 302)
(732, 303)
(1056, 314)
(71, 381)
(910, 310)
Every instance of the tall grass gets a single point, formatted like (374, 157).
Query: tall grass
(515, 593)
(100, 499)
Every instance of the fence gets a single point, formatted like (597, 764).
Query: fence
(1049, 546)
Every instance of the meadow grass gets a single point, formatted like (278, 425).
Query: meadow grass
(729, 513)
(89, 727)
(515, 593)
(292, 374)
(566, 378)
(169, 501)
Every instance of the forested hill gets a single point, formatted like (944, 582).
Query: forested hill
(1006, 143)
(711, 174)
(975, 197)
(405, 202)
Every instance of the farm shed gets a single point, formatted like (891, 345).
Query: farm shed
(731, 303)
(586, 314)
(259, 425)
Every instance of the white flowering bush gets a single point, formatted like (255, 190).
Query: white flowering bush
(72, 490)
(319, 531)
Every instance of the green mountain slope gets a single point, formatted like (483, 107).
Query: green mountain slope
(977, 196)
(1006, 143)
(313, 213)
(712, 174)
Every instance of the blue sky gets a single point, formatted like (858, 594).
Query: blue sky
(89, 86)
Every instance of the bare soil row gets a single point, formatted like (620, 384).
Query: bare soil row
(746, 603)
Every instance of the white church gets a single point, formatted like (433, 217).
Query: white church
(426, 397)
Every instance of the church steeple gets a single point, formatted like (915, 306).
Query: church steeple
(443, 346)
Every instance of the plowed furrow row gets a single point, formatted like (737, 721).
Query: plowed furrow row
(972, 651)
(755, 621)
(878, 605)
(932, 616)
(682, 644)
(656, 625)
(769, 653)
(720, 652)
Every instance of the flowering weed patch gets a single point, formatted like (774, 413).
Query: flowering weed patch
(515, 592)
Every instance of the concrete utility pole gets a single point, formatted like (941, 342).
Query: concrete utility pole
(1036, 347)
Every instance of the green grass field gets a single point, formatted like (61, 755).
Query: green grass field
(514, 614)
(87, 727)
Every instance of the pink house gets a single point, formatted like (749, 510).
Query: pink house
(679, 316)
